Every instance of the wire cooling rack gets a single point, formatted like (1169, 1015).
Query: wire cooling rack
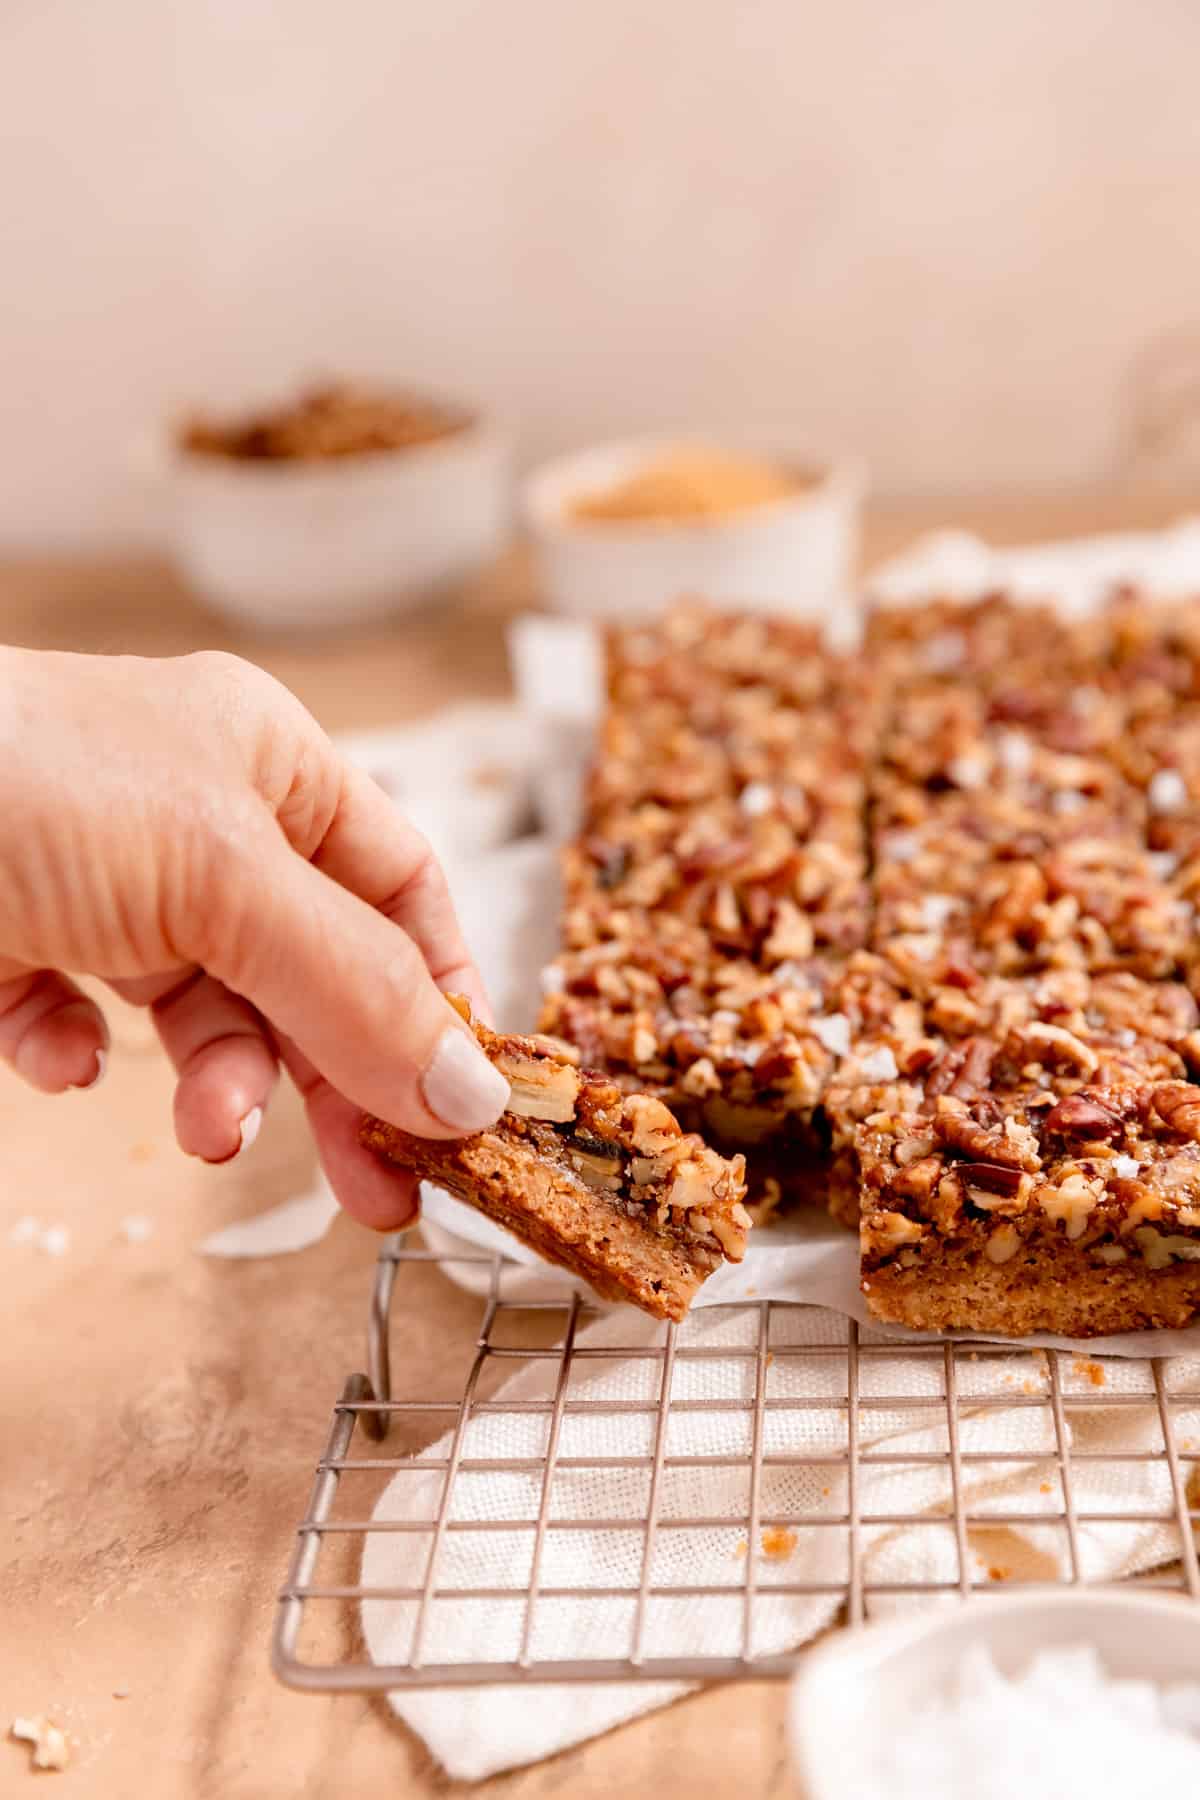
(825, 1442)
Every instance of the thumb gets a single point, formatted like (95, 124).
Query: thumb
(353, 992)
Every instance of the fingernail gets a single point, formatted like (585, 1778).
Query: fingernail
(94, 1080)
(460, 1087)
(249, 1128)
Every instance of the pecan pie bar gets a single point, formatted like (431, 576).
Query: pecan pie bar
(1081, 1217)
(602, 1182)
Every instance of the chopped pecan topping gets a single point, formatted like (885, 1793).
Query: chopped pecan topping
(960, 1132)
(991, 1184)
(1084, 1115)
(1178, 1104)
(1052, 1044)
(1071, 1200)
(962, 1069)
(540, 1088)
(887, 1231)
(918, 1179)
(596, 1162)
(652, 1127)
(1002, 1244)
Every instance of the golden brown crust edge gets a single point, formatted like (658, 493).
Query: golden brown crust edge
(615, 1254)
(1061, 1292)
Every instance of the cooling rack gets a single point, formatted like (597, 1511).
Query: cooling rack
(822, 1442)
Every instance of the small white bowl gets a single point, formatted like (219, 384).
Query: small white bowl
(861, 1685)
(794, 556)
(314, 545)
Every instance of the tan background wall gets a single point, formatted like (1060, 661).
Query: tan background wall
(941, 231)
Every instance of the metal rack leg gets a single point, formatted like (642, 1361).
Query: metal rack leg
(379, 1360)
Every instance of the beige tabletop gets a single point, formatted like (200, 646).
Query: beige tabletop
(162, 1411)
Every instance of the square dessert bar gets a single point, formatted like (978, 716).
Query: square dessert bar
(602, 1182)
(720, 877)
(1019, 1211)
(1026, 845)
(728, 790)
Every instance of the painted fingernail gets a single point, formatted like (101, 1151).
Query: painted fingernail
(460, 1087)
(249, 1128)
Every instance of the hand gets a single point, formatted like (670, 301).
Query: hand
(185, 830)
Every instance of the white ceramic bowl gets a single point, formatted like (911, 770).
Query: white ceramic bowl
(794, 556)
(315, 545)
(860, 1685)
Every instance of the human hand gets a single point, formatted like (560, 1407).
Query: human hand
(185, 830)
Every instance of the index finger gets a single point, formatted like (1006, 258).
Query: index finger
(371, 849)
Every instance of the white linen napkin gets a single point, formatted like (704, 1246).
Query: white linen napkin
(477, 1732)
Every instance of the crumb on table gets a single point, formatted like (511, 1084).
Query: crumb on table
(48, 1742)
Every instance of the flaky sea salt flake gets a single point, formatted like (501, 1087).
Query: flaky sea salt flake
(1167, 792)
(969, 771)
(879, 1065)
(833, 1031)
(756, 798)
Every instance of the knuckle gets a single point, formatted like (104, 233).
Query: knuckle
(218, 902)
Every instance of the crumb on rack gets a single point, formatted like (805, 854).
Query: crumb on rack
(778, 1542)
(1094, 1371)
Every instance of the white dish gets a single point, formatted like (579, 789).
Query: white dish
(860, 1685)
(313, 545)
(795, 556)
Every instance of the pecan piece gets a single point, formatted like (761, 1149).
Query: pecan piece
(613, 861)
(995, 1186)
(1012, 908)
(540, 1089)
(1071, 1200)
(961, 1132)
(1003, 1244)
(1054, 1044)
(595, 1162)
(993, 1178)
(916, 1180)
(1177, 1103)
(963, 1069)
(885, 1232)
(652, 1127)
(1084, 1115)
